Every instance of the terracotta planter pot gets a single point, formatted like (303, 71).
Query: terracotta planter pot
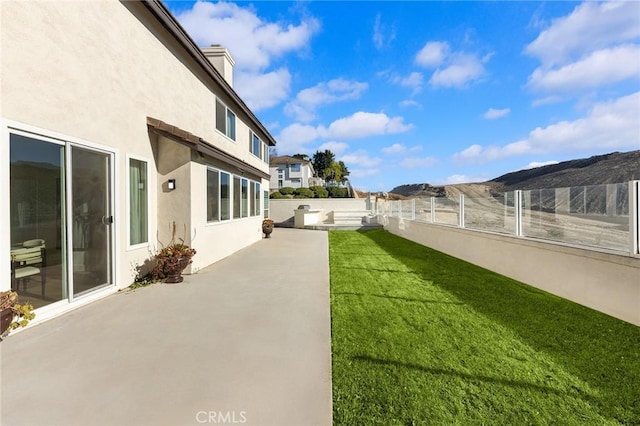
(175, 275)
(6, 318)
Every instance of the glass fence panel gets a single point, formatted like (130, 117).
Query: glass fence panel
(447, 210)
(406, 209)
(495, 213)
(595, 216)
(423, 210)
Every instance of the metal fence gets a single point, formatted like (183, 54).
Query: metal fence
(598, 216)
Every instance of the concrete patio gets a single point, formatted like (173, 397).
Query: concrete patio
(245, 341)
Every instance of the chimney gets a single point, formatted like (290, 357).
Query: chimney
(221, 60)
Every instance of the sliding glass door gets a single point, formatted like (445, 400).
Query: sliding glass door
(37, 211)
(60, 205)
(92, 219)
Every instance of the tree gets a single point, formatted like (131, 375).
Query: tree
(333, 172)
(322, 161)
(301, 157)
(344, 172)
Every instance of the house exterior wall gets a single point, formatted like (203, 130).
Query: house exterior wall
(92, 72)
(289, 177)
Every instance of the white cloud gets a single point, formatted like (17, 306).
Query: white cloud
(535, 164)
(360, 173)
(293, 138)
(453, 69)
(307, 100)
(253, 43)
(396, 148)
(261, 91)
(336, 147)
(600, 68)
(415, 80)
(432, 54)
(410, 103)
(456, 179)
(360, 160)
(363, 124)
(462, 69)
(596, 45)
(607, 126)
(382, 37)
(492, 113)
(413, 163)
(591, 26)
(416, 148)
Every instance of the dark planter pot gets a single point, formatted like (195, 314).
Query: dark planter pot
(267, 230)
(6, 318)
(175, 274)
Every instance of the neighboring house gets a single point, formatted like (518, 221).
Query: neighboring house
(113, 126)
(292, 172)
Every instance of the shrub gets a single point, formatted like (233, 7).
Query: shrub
(276, 195)
(337, 192)
(304, 193)
(287, 190)
(320, 191)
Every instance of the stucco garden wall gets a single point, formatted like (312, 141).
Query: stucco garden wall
(609, 283)
(282, 210)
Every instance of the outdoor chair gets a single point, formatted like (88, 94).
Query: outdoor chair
(28, 260)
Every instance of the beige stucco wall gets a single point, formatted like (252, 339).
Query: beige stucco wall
(283, 210)
(606, 282)
(92, 72)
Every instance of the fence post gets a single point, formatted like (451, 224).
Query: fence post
(400, 209)
(634, 218)
(413, 209)
(461, 209)
(517, 204)
(433, 209)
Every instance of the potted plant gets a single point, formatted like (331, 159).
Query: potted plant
(267, 227)
(13, 314)
(171, 260)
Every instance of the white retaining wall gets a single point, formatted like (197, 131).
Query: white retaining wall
(281, 211)
(609, 283)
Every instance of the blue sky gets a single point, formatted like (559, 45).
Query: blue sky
(433, 92)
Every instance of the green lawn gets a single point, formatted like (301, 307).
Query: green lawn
(420, 337)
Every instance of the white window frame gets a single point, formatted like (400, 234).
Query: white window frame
(130, 157)
(227, 129)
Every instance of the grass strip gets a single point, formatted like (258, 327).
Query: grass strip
(419, 337)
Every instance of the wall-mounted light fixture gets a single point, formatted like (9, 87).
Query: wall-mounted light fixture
(171, 184)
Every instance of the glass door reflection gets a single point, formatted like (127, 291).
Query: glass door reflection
(91, 219)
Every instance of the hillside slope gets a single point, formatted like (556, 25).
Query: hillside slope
(600, 169)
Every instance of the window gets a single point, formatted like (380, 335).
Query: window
(138, 202)
(256, 145)
(245, 198)
(225, 196)
(231, 125)
(236, 197)
(213, 196)
(295, 167)
(265, 201)
(265, 152)
(280, 184)
(255, 196)
(218, 196)
(225, 120)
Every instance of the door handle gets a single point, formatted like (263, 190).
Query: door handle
(107, 220)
